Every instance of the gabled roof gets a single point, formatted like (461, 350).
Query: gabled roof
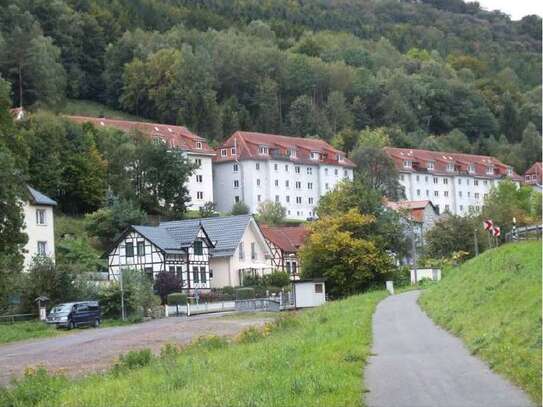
(415, 209)
(423, 159)
(37, 198)
(534, 169)
(175, 136)
(280, 147)
(287, 238)
(226, 231)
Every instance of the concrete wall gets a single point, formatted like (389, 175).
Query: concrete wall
(38, 233)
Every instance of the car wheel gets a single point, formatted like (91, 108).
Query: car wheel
(71, 325)
(96, 323)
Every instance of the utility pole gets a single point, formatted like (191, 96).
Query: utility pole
(414, 250)
(123, 316)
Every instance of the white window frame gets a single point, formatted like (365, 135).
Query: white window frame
(430, 165)
(199, 145)
(42, 248)
(224, 152)
(41, 220)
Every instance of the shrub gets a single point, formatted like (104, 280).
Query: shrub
(277, 279)
(245, 293)
(177, 299)
(250, 335)
(239, 208)
(252, 281)
(133, 360)
(212, 342)
(167, 283)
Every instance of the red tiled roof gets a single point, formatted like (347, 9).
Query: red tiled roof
(421, 158)
(175, 136)
(17, 113)
(247, 147)
(415, 208)
(535, 172)
(287, 238)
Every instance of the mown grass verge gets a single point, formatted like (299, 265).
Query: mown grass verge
(493, 302)
(311, 358)
(94, 109)
(19, 331)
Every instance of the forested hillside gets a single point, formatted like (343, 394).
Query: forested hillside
(435, 74)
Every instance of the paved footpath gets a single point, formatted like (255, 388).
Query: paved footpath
(94, 350)
(417, 364)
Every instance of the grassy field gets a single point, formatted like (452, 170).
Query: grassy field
(493, 302)
(89, 108)
(311, 358)
(19, 331)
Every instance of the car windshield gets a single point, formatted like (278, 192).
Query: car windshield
(62, 308)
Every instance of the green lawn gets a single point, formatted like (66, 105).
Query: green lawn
(89, 108)
(493, 302)
(310, 358)
(19, 331)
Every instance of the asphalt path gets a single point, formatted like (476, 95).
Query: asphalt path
(415, 363)
(94, 350)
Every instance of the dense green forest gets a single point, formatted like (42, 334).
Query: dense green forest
(434, 74)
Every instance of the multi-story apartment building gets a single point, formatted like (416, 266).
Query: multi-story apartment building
(258, 167)
(456, 183)
(196, 149)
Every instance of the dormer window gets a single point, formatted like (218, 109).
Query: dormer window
(292, 153)
(509, 171)
(340, 158)
(490, 170)
(471, 169)
(450, 167)
(263, 150)
(233, 151)
(199, 145)
(223, 152)
(315, 155)
(407, 163)
(430, 165)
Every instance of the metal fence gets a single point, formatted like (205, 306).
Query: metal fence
(10, 319)
(533, 232)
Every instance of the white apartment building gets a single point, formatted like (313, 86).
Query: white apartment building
(258, 167)
(39, 226)
(455, 183)
(179, 138)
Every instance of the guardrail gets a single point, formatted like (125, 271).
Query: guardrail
(10, 319)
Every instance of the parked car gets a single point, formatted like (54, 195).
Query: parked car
(74, 314)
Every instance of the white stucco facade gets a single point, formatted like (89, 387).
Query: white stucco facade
(200, 183)
(40, 229)
(297, 187)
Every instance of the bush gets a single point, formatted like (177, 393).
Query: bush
(245, 293)
(239, 208)
(252, 281)
(167, 283)
(133, 360)
(402, 276)
(277, 279)
(177, 299)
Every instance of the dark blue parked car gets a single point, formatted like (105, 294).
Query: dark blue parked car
(74, 314)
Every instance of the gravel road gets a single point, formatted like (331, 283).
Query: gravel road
(91, 350)
(418, 364)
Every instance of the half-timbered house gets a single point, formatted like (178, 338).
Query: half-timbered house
(184, 249)
(284, 242)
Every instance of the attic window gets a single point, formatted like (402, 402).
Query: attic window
(263, 150)
(509, 171)
(292, 153)
(450, 167)
(471, 168)
(315, 155)
(340, 158)
(430, 165)
(407, 163)
(223, 152)
(233, 151)
(490, 170)
(199, 145)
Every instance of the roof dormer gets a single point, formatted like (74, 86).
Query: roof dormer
(315, 155)
(263, 150)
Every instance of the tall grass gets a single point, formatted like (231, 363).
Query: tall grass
(493, 302)
(19, 331)
(95, 109)
(312, 358)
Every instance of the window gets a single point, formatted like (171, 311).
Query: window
(297, 169)
(236, 198)
(490, 170)
(485, 182)
(485, 196)
(263, 150)
(309, 185)
(129, 248)
(258, 182)
(199, 145)
(298, 185)
(233, 151)
(149, 273)
(326, 186)
(275, 167)
(195, 275)
(427, 193)
(471, 168)
(450, 167)
(407, 163)
(447, 207)
(315, 155)
(171, 269)
(199, 178)
(509, 171)
(335, 171)
(445, 181)
(418, 192)
(318, 288)
(426, 178)
(235, 167)
(287, 183)
(276, 198)
(459, 181)
(476, 182)
(401, 177)
(287, 198)
(461, 207)
(436, 193)
(223, 152)
(253, 251)
(140, 248)
(430, 165)
(326, 171)
(298, 199)
(436, 180)
(276, 182)
(257, 166)
(286, 167)
(199, 195)
(467, 181)
(292, 153)
(345, 174)
(477, 195)
(418, 178)
(198, 248)
(446, 193)
(241, 251)
(198, 162)
(42, 248)
(203, 275)
(40, 216)
(310, 201)
(460, 194)
(309, 170)
(236, 183)
(469, 194)
(259, 198)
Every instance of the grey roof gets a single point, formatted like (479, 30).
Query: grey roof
(158, 237)
(225, 231)
(37, 198)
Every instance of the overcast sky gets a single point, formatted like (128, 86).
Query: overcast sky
(515, 8)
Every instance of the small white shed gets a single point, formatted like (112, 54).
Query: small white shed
(430, 274)
(309, 293)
